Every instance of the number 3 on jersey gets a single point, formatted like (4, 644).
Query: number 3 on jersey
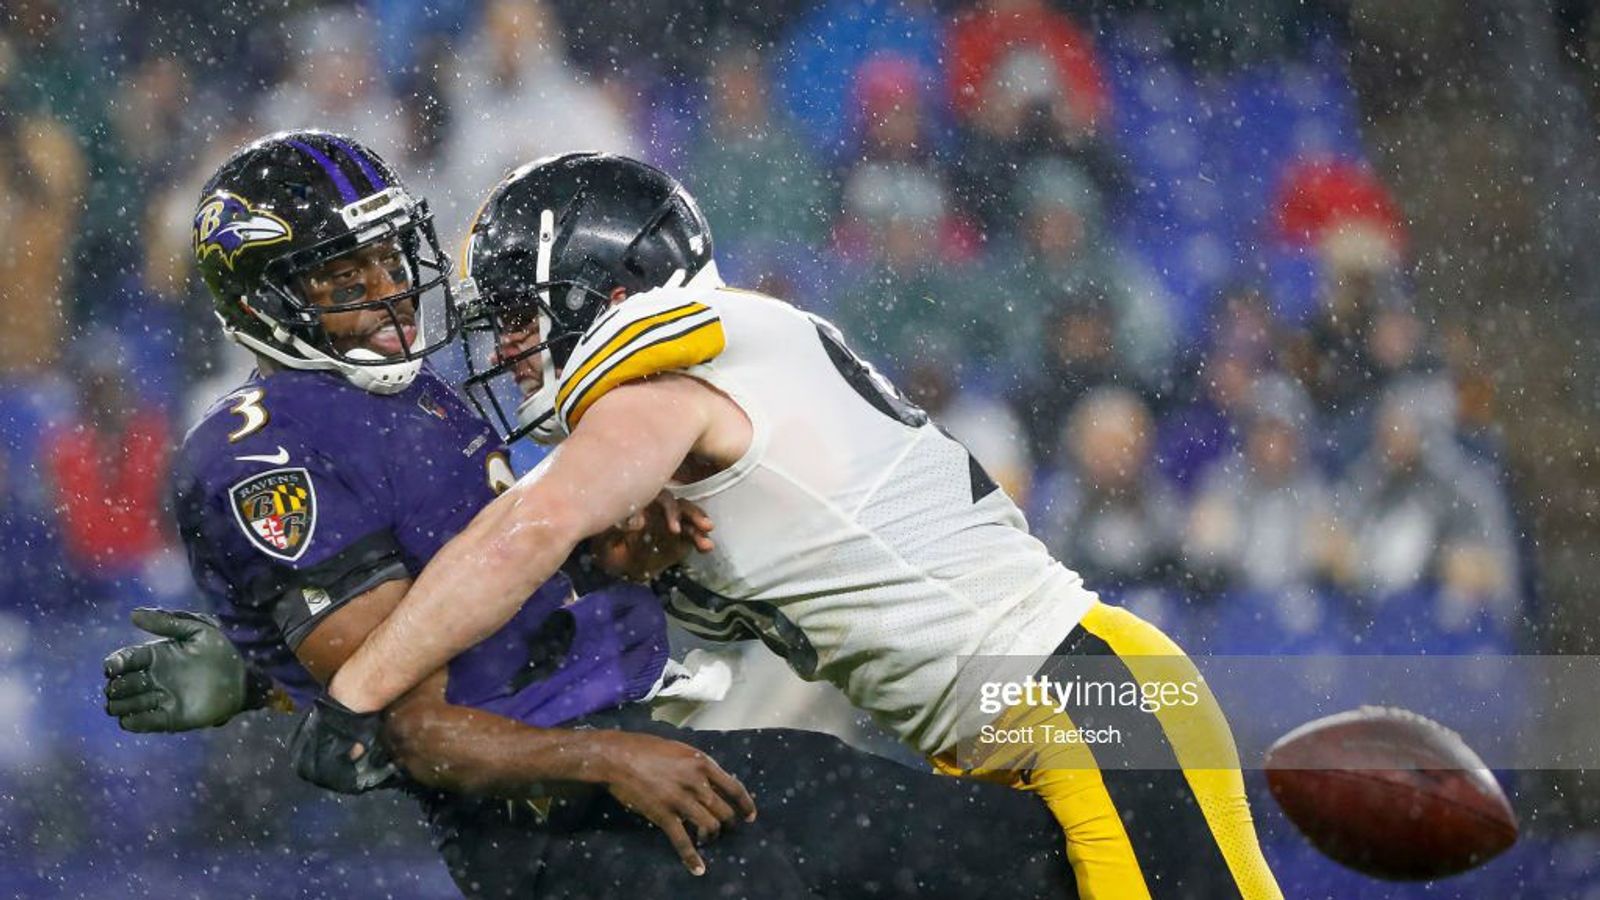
(247, 403)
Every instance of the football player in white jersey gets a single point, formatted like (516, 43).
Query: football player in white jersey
(854, 537)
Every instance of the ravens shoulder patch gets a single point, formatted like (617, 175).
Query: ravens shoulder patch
(277, 510)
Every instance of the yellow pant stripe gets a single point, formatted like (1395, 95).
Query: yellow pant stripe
(1200, 733)
(1067, 778)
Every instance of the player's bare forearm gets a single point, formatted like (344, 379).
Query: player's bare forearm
(472, 587)
(615, 463)
(444, 746)
(465, 750)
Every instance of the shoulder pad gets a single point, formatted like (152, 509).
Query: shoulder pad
(658, 331)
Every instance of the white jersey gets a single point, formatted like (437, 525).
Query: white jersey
(854, 537)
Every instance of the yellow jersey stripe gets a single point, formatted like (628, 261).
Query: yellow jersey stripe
(691, 348)
(621, 339)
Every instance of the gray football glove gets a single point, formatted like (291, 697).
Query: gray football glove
(192, 678)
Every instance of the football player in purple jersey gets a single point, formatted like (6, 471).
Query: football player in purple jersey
(309, 497)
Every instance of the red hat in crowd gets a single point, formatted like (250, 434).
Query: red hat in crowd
(1320, 195)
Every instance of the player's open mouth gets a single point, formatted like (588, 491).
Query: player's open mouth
(388, 341)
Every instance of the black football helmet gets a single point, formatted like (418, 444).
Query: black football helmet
(551, 244)
(290, 202)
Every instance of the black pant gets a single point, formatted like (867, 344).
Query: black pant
(832, 822)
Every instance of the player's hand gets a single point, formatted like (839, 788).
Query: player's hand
(687, 520)
(668, 515)
(674, 786)
(193, 678)
(653, 540)
(338, 749)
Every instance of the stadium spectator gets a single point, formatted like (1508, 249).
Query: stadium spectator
(1317, 196)
(49, 67)
(1263, 518)
(894, 156)
(152, 110)
(1419, 511)
(43, 176)
(145, 304)
(1109, 513)
(908, 295)
(1243, 323)
(428, 115)
(410, 34)
(336, 82)
(1363, 337)
(138, 286)
(1025, 83)
(891, 112)
(108, 468)
(1064, 249)
(1077, 354)
(1002, 39)
(1242, 342)
(1477, 426)
(517, 98)
(150, 114)
(1205, 426)
(818, 66)
(755, 180)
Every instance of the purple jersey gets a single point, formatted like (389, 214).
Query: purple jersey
(299, 492)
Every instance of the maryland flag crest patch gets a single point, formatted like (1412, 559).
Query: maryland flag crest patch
(277, 510)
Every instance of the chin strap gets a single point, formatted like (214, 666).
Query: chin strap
(537, 412)
(386, 378)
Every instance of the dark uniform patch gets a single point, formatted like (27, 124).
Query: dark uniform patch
(277, 510)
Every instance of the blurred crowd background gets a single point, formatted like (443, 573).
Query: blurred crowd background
(1275, 317)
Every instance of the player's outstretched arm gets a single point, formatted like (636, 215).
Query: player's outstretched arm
(465, 750)
(618, 459)
(192, 678)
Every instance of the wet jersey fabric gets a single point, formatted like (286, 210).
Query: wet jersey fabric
(867, 547)
(298, 492)
(855, 537)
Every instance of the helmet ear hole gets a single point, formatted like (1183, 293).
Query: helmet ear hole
(675, 240)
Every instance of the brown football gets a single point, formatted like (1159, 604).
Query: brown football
(1390, 793)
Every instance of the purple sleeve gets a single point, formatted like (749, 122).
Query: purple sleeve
(282, 534)
(565, 656)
